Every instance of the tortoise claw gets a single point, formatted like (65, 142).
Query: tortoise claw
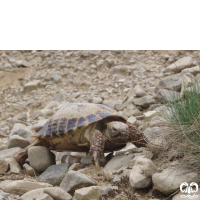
(96, 160)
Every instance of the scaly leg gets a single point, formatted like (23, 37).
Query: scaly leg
(97, 144)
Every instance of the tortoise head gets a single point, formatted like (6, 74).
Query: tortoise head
(117, 132)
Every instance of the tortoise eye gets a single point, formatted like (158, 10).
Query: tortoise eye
(114, 129)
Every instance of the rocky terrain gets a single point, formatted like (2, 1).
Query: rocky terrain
(34, 84)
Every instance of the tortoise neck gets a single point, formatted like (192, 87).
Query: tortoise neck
(136, 137)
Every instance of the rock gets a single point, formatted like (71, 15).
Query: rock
(21, 116)
(32, 85)
(76, 166)
(132, 120)
(141, 173)
(154, 132)
(179, 65)
(188, 81)
(21, 186)
(36, 127)
(36, 114)
(14, 166)
(181, 196)
(118, 162)
(47, 112)
(54, 174)
(170, 83)
(150, 114)
(164, 96)
(88, 193)
(59, 97)
(97, 100)
(25, 133)
(111, 103)
(157, 121)
(17, 141)
(33, 194)
(57, 193)
(193, 70)
(29, 170)
(74, 180)
(16, 128)
(10, 153)
(52, 104)
(127, 149)
(44, 197)
(125, 174)
(40, 158)
(86, 161)
(70, 160)
(170, 179)
(139, 92)
(3, 166)
(120, 68)
(144, 101)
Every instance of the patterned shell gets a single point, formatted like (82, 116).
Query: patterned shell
(72, 116)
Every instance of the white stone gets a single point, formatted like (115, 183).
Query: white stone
(3, 166)
(132, 120)
(180, 64)
(32, 85)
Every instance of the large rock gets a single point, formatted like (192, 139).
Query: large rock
(88, 193)
(21, 186)
(54, 174)
(180, 64)
(170, 179)
(74, 180)
(32, 85)
(59, 97)
(33, 194)
(118, 162)
(44, 197)
(153, 133)
(10, 153)
(57, 193)
(36, 127)
(164, 95)
(193, 70)
(144, 101)
(17, 141)
(141, 173)
(170, 82)
(40, 158)
(25, 133)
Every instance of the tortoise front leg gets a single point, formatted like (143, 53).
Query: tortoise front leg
(97, 144)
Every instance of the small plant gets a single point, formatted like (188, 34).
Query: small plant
(183, 119)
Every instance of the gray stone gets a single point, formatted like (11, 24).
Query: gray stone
(36, 114)
(59, 97)
(44, 197)
(193, 70)
(88, 193)
(29, 170)
(170, 82)
(164, 95)
(70, 160)
(154, 132)
(118, 162)
(47, 112)
(3, 166)
(144, 101)
(170, 179)
(25, 133)
(157, 121)
(54, 174)
(33, 194)
(97, 100)
(16, 128)
(74, 180)
(57, 193)
(40, 158)
(141, 173)
(17, 141)
(21, 116)
(139, 91)
(120, 68)
(14, 166)
(180, 64)
(21, 186)
(10, 153)
(32, 85)
(111, 103)
(39, 125)
(52, 104)
(124, 174)
(132, 120)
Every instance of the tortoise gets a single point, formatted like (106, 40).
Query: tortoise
(86, 127)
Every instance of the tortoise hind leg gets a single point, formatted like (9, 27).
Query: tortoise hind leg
(97, 144)
(23, 155)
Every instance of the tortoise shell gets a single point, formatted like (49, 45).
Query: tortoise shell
(73, 116)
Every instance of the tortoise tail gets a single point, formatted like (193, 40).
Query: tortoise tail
(23, 155)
